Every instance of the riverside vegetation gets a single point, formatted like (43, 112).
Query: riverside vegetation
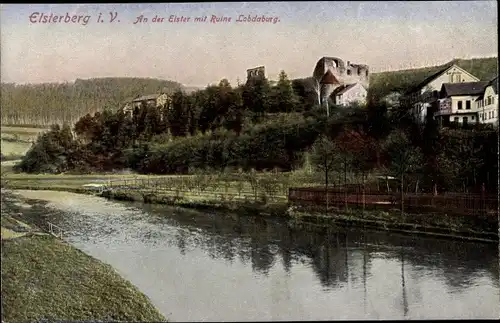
(259, 126)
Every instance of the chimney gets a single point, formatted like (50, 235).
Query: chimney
(348, 63)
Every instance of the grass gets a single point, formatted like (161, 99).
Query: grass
(15, 141)
(22, 131)
(10, 234)
(43, 277)
(15, 148)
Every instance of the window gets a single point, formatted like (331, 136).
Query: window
(366, 73)
(465, 120)
(455, 119)
(467, 104)
(348, 72)
(459, 104)
(488, 101)
(489, 115)
(472, 118)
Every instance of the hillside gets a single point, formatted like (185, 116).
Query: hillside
(383, 83)
(44, 104)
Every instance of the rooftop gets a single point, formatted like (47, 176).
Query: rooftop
(464, 88)
(342, 89)
(329, 78)
(428, 79)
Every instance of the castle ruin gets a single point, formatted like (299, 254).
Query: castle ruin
(332, 72)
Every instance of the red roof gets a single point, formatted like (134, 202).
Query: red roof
(329, 78)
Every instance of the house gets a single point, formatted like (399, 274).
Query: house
(155, 100)
(487, 103)
(458, 102)
(420, 97)
(349, 94)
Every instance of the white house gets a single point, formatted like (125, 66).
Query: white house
(421, 96)
(350, 94)
(487, 103)
(155, 100)
(458, 102)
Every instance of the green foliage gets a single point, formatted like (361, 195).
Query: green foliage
(262, 127)
(284, 97)
(401, 157)
(326, 155)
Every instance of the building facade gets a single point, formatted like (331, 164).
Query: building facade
(458, 102)
(350, 94)
(154, 100)
(487, 104)
(421, 97)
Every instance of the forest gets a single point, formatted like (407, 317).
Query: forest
(277, 127)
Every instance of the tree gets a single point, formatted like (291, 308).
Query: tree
(364, 156)
(284, 97)
(401, 158)
(178, 115)
(256, 97)
(325, 157)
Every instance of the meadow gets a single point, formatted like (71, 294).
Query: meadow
(16, 141)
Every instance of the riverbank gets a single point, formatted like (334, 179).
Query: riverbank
(477, 228)
(46, 278)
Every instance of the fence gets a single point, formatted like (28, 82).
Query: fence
(453, 203)
(208, 187)
(55, 230)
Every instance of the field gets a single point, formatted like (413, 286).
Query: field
(22, 132)
(14, 148)
(16, 141)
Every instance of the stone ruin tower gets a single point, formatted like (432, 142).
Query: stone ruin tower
(332, 72)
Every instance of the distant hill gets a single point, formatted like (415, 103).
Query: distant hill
(383, 83)
(190, 89)
(47, 103)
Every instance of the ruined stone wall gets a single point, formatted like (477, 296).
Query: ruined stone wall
(344, 72)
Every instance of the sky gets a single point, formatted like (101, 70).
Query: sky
(388, 35)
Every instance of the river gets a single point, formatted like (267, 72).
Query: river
(198, 266)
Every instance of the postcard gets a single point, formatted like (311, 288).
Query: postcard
(249, 161)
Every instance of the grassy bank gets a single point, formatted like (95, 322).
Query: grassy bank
(267, 199)
(482, 229)
(477, 228)
(46, 278)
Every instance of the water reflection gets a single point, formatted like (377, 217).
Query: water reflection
(260, 269)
